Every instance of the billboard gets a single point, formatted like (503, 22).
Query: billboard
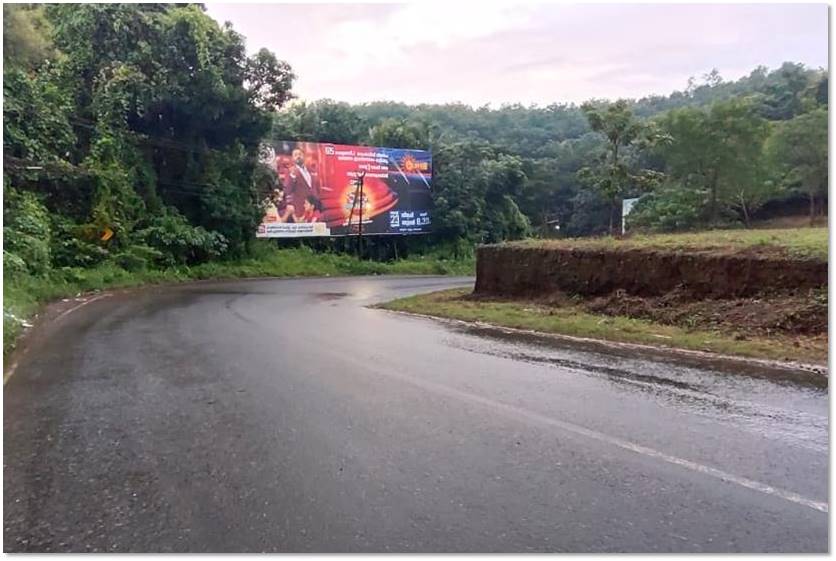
(315, 191)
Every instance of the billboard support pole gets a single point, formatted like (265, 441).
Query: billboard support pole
(360, 178)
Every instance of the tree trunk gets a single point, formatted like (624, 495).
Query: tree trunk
(713, 209)
(812, 207)
(746, 220)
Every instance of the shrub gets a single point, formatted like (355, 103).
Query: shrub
(137, 257)
(72, 245)
(178, 242)
(26, 230)
(13, 266)
(667, 210)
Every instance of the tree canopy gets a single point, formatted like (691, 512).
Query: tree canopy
(146, 120)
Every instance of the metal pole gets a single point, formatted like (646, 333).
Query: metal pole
(360, 230)
(354, 204)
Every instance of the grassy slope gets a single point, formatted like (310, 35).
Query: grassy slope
(795, 242)
(22, 297)
(571, 320)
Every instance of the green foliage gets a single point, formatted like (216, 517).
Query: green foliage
(13, 265)
(137, 258)
(555, 142)
(807, 243)
(148, 106)
(669, 209)
(784, 96)
(26, 36)
(399, 133)
(176, 242)
(26, 231)
(75, 245)
(475, 192)
(269, 80)
(36, 127)
(614, 174)
(719, 151)
(322, 121)
(145, 119)
(799, 151)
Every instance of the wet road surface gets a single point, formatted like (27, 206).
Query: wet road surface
(286, 415)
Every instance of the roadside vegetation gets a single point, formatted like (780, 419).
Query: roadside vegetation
(571, 318)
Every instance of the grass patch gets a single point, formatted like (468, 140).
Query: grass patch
(572, 320)
(23, 295)
(805, 243)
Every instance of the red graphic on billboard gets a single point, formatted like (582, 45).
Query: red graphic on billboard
(317, 185)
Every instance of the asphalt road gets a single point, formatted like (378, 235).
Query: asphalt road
(286, 415)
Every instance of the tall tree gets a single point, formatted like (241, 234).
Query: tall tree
(716, 150)
(799, 147)
(614, 176)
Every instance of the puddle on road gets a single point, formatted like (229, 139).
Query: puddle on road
(777, 373)
(326, 296)
(761, 404)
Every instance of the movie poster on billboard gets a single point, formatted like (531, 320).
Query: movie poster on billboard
(315, 190)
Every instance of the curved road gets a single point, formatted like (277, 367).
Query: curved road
(286, 415)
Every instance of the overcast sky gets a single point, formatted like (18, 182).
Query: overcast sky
(527, 53)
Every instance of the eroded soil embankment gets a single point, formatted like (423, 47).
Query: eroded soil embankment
(744, 292)
(521, 271)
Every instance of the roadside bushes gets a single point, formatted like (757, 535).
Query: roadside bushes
(36, 241)
(26, 233)
(171, 240)
(73, 245)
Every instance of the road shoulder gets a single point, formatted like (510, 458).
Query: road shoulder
(772, 357)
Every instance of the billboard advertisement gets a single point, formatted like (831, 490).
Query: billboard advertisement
(315, 192)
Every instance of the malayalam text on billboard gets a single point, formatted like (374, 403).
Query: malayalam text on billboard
(315, 190)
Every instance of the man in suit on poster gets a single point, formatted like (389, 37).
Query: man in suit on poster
(302, 182)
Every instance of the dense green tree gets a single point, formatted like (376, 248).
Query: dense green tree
(399, 133)
(157, 110)
(717, 151)
(320, 121)
(799, 149)
(785, 91)
(475, 194)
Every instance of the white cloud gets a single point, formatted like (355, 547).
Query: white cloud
(504, 52)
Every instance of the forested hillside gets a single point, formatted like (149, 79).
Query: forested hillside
(721, 150)
(131, 135)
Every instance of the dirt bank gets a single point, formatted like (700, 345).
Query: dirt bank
(517, 270)
(741, 293)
